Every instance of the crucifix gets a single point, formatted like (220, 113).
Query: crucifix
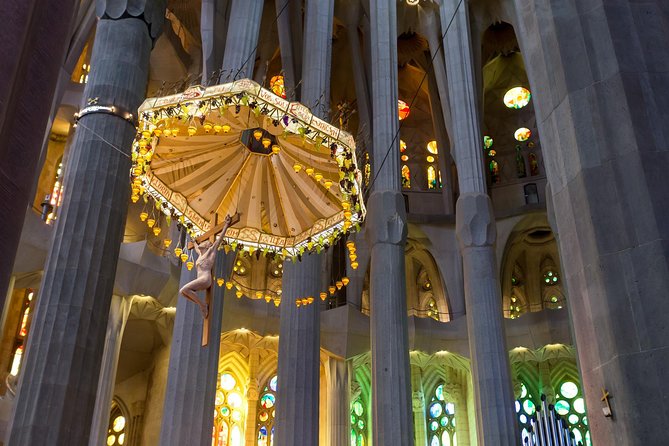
(206, 247)
(605, 397)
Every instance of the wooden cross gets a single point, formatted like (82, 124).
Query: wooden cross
(605, 398)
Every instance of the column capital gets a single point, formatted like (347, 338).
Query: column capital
(386, 218)
(152, 12)
(474, 221)
(418, 401)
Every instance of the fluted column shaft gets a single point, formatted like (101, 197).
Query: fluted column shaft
(252, 394)
(339, 405)
(213, 34)
(58, 386)
(242, 38)
(386, 232)
(476, 231)
(193, 371)
(118, 316)
(418, 406)
(29, 67)
(299, 355)
(299, 339)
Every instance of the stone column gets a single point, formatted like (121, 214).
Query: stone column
(299, 337)
(193, 371)
(339, 404)
(212, 32)
(386, 233)
(252, 395)
(604, 136)
(290, 42)
(118, 316)
(461, 419)
(240, 45)
(56, 399)
(476, 231)
(35, 38)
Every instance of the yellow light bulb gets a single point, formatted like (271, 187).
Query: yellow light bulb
(192, 130)
(143, 216)
(267, 298)
(226, 128)
(257, 134)
(175, 132)
(348, 214)
(218, 128)
(309, 171)
(350, 245)
(143, 143)
(220, 281)
(324, 295)
(167, 132)
(318, 176)
(339, 284)
(189, 265)
(354, 265)
(178, 251)
(135, 197)
(207, 127)
(345, 280)
(277, 301)
(228, 285)
(276, 149)
(167, 242)
(353, 257)
(327, 184)
(332, 289)
(297, 303)
(151, 222)
(297, 167)
(238, 294)
(310, 245)
(259, 294)
(156, 230)
(184, 257)
(157, 132)
(347, 224)
(266, 142)
(310, 299)
(345, 205)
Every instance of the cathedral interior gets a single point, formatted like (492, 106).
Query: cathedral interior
(502, 243)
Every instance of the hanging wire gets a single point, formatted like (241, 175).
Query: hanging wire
(397, 133)
(102, 138)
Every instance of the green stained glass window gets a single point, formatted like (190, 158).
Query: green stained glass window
(358, 423)
(441, 419)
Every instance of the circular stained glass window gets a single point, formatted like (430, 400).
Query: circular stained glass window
(225, 411)
(517, 97)
(528, 406)
(577, 435)
(403, 146)
(235, 400)
(579, 405)
(517, 406)
(404, 158)
(119, 423)
(562, 407)
(236, 415)
(434, 425)
(273, 383)
(402, 109)
(111, 440)
(487, 142)
(523, 418)
(444, 421)
(267, 401)
(435, 410)
(432, 147)
(440, 392)
(435, 441)
(219, 398)
(568, 389)
(357, 408)
(522, 134)
(573, 419)
(430, 159)
(450, 408)
(228, 382)
(361, 424)
(264, 416)
(523, 391)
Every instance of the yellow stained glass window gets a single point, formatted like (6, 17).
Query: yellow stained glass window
(517, 97)
(432, 147)
(522, 134)
(406, 177)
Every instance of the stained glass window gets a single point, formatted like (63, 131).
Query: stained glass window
(116, 430)
(228, 412)
(276, 84)
(358, 423)
(406, 177)
(441, 420)
(522, 134)
(266, 413)
(432, 147)
(517, 97)
(487, 142)
(551, 278)
(402, 109)
(494, 171)
(22, 332)
(525, 409)
(433, 179)
(570, 405)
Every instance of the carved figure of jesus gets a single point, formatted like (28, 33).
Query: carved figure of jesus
(206, 252)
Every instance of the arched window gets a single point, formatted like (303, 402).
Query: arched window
(441, 420)
(358, 424)
(433, 179)
(266, 413)
(229, 412)
(406, 177)
(569, 404)
(116, 431)
(22, 332)
(525, 409)
(494, 171)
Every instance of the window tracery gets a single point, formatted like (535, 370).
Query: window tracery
(441, 419)
(229, 412)
(266, 413)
